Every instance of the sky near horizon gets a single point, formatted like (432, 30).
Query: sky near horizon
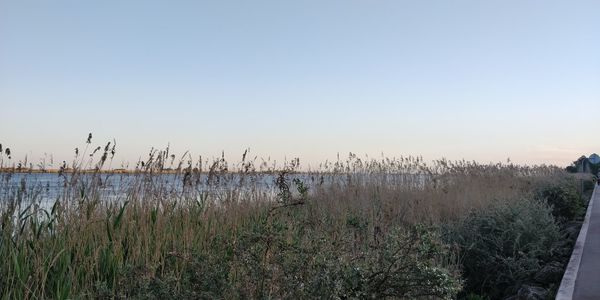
(479, 80)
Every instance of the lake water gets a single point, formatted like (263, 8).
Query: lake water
(48, 187)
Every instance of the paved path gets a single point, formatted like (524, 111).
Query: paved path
(582, 277)
(587, 284)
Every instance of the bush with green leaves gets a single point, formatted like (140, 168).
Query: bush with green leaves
(590, 184)
(504, 246)
(564, 198)
(279, 259)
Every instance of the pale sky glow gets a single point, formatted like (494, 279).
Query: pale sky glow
(479, 80)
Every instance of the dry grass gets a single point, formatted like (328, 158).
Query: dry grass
(241, 218)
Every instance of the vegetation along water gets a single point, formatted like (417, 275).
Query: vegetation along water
(358, 228)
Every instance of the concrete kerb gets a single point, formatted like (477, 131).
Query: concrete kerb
(567, 285)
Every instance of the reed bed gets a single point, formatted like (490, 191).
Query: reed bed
(200, 229)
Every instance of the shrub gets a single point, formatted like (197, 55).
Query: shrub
(564, 199)
(590, 184)
(297, 260)
(503, 246)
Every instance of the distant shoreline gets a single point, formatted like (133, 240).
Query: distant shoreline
(124, 171)
(70, 171)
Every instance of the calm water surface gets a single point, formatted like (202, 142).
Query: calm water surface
(44, 187)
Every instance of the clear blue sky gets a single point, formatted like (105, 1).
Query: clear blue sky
(480, 80)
